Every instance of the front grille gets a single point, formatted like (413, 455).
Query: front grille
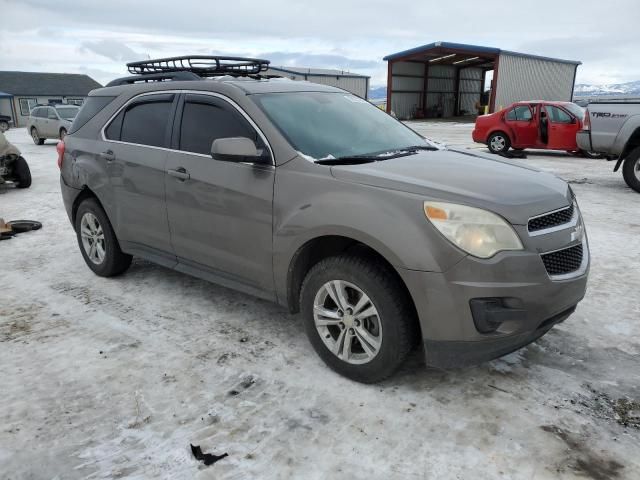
(563, 261)
(551, 220)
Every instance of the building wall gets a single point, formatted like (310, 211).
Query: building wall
(21, 104)
(5, 106)
(406, 96)
(357, 85)
(522, 78)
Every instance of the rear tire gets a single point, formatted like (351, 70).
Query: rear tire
(35, 136)
(97, 240)
(21, 173)
(498, 143)
(631, 169)
(374, 316)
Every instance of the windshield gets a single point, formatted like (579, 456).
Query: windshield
(68, 113)
(325, 125)
(577, 110)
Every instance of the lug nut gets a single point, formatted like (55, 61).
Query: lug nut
(341, 325)
(356, 323)
(349, 311)
(340, 313)
(351, 331)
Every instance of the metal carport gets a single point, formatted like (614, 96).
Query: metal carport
(444, 79)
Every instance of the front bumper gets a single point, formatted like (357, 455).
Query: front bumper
(583, 139)
(531, 301)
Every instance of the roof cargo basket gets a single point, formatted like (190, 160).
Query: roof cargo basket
(191, 67)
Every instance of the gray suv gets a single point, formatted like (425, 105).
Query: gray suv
(50, 121)
(311, 197)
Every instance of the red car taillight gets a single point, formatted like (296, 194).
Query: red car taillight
(586, 121)
(60, 149)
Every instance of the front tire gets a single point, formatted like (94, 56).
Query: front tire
(631, 169)
(498, 143)
(35, 136)
(21, 173)
(97, 241)
(357, 317)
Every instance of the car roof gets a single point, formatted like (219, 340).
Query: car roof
(245, 85)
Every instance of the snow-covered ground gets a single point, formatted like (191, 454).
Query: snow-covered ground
(114, 378)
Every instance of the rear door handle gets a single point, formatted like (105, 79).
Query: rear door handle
(180, 173)
(109, 156)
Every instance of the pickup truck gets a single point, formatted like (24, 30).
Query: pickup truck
(613, 129)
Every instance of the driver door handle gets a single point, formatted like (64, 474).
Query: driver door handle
(180, 173)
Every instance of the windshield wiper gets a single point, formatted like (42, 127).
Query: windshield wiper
(413, 148)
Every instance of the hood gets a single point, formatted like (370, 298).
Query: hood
(7, 148)
(508, 188)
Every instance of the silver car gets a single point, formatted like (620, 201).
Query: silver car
(50, 121)
(311, 197)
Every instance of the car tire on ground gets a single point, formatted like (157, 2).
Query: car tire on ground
(631, 169)
(498, 142)
(21, 173)
(63, 133)
(35, 136)
(97, 240)
(4, 125)
(358, 318)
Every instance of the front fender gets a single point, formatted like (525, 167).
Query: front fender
(310, 203)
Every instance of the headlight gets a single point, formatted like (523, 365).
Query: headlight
(476, 231)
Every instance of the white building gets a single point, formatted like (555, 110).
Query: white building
(352, 82)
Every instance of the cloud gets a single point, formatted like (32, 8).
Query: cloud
(300, 59)
(113, 50)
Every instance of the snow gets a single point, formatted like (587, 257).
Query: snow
(114, 378)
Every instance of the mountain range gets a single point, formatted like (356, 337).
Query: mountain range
(629, 89)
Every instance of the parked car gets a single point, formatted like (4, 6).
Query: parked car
(13, 167)
(311, 197)
(613, 129)
(50, 121)
(532, 124)
(5, 122)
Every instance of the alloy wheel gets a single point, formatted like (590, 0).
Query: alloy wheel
(347, 321)
(92, 238)
(498, 143)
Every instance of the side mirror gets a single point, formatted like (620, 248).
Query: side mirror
(237, 149)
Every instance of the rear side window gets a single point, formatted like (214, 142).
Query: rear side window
(557, 115)
(143, 122)
(206, 118)
(521, 112)
(91, 107)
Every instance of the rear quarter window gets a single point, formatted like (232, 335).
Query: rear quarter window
(90, 109)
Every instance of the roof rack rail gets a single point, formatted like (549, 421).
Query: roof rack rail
(201, 65)
(156, 77)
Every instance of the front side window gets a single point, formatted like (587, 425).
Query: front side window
(557, 115)
(51, 113)
(326, 124)
(143, 122)
(206, 118)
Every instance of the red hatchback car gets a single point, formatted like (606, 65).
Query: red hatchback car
(531, 124)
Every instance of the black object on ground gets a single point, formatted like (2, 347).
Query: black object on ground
(513, 154)
(206, 458)
(21, 226)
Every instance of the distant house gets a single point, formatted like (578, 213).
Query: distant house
(352, 82)
(20, 91)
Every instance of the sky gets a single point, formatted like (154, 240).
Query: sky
(99, 37)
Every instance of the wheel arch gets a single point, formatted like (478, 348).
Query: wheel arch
(320, 247)
(84, 194)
